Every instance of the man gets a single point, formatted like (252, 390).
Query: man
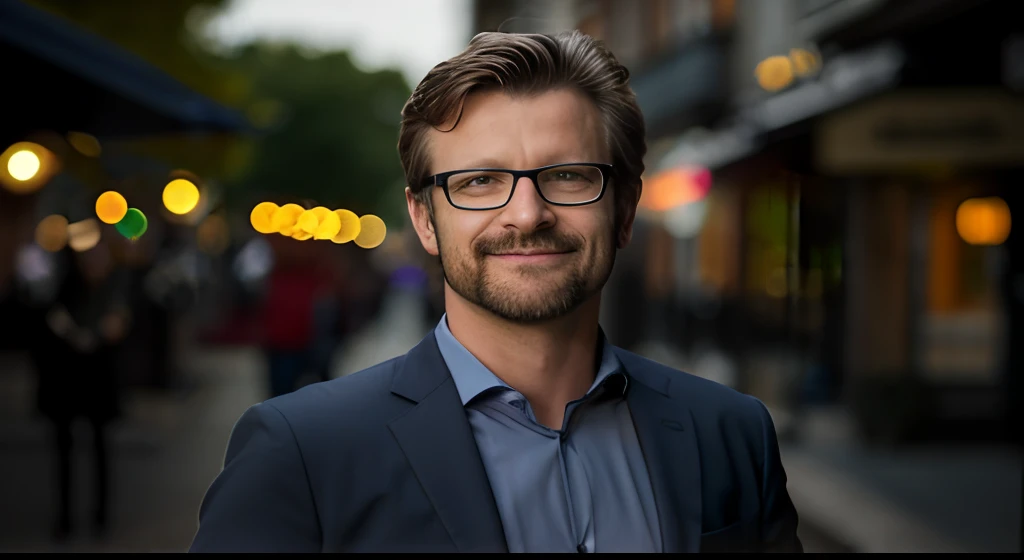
(513, 426)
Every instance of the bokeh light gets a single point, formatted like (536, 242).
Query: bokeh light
(180, 196)
(133, 225)
(328, 223)
(983, 221)
(674, 187)
(26, 166)
(320, 223)
(349, 226)
(284, 218)
(307, 222)
(371, 232)
(774, 73)
(52, 233)
(111, 207)
(261, 217)
(804, 62)
(84, 235)
(23, 165)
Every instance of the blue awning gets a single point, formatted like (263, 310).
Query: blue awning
(682, 88)
(48, 38)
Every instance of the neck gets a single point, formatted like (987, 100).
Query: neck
(550, 363)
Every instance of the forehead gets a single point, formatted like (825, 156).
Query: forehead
(499, 130)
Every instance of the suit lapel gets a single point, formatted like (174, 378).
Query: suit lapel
(669, 443)
(438, 442)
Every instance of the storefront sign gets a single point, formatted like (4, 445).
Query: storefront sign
(913, 129)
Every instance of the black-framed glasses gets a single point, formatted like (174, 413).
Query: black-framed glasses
(563, 184)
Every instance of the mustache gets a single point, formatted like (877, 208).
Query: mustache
(543, 240)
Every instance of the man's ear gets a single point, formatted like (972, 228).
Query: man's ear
(419, 214)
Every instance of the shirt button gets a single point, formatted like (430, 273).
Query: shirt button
(581, 547)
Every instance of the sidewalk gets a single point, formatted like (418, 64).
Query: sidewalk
(935, 498)
(928, 498)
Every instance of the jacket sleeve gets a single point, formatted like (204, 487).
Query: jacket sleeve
(262, 500)
(779, 518)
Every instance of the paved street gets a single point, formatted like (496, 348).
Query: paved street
(938, 499)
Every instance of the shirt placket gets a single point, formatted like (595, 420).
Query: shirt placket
(570, 467)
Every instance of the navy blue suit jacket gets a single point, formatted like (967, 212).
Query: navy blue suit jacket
(385, 460)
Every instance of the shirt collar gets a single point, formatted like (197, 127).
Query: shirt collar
(473, 378)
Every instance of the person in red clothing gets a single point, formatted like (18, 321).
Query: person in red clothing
(287, 326)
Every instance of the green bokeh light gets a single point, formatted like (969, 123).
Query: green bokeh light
(133, 225)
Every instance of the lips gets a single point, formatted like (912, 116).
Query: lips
(531, 253)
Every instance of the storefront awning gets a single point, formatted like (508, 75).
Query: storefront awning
(678, 90)
(843, 81)
(61, 77)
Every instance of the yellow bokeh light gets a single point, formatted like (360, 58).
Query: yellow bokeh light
(84, 235)
(983, 221)
(804, 61)
(774, 73)
(111, 207)
(329, 223)
(349, 226)
(23, 165)
(26, 166)
(307, 222)
(284, 218)
(52, 233)
(300, 235)
(262, 216)
(371, 232)
(181, 196)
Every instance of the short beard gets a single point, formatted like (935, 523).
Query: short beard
(502, 298)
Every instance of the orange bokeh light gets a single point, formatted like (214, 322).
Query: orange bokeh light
(675, 187)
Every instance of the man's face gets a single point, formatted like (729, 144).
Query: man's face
(528, 261)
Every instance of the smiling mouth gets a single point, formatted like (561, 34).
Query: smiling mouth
(531, 253)
(533, 257)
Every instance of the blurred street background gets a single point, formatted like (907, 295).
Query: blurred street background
(826, 224)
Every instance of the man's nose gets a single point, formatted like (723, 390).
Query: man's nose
(527, 211)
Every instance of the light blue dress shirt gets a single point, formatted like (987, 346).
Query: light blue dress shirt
(584, 488)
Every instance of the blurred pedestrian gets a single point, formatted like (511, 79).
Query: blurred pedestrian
(74, 353)
(291, 311)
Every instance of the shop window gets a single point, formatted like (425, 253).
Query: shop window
(963, 326)
(767, 221)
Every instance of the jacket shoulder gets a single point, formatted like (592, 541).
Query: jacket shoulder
(348, 400)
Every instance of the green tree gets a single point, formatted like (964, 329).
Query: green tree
(333, 131)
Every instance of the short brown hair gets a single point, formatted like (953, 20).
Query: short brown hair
(526, 64)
